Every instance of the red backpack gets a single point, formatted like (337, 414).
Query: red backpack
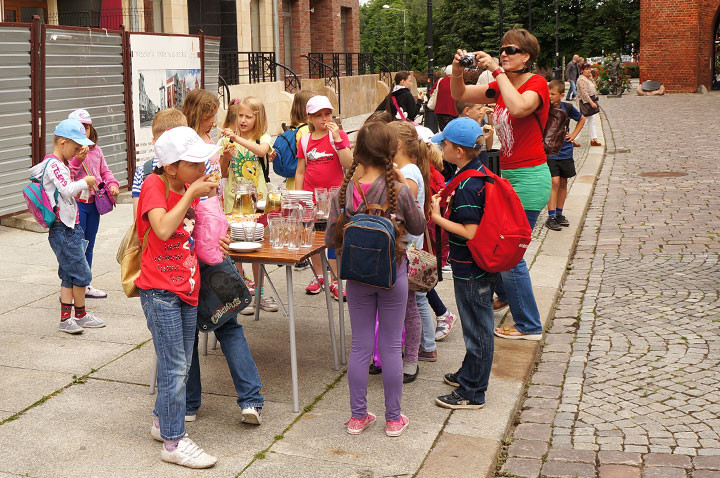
(504, 233)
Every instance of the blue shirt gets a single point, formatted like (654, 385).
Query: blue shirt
(467, 207)
(566, 152)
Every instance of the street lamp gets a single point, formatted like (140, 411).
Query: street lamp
(388, 7)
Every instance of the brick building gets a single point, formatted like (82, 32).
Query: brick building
(679, 43)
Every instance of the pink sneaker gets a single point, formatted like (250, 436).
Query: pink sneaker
(394, 428)
(315, 286)
(355, 426)
(336, 292)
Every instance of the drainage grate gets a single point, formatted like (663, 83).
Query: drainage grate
(663, 174)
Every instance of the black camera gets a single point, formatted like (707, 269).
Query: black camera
(467, 60)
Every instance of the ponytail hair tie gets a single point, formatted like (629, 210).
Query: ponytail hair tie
(235, 101)
(342, 210)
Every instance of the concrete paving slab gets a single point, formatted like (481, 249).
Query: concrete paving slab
(280, 465)
(91, 422)
(37, 321)
(64, 354)
(457, 456)
(22, 387)
(17, 294)
(492, 421)
(321, 435)
(548, 271)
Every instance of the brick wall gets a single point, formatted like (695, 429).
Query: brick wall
(676, 38)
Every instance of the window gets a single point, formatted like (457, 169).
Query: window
(287, 33)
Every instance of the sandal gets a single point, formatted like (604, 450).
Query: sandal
(510, 332)
(595, 142)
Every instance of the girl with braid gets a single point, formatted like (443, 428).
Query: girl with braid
(382, 184)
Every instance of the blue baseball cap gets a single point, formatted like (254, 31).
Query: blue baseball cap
(74, 130)
(461, 131)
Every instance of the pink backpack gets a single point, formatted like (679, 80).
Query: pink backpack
(38, 202)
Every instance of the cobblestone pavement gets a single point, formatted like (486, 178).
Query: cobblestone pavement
(628, 381)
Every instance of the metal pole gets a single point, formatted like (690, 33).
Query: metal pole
(502, 30)
(276, 38)
(404, 33)
(530, 15)
(557, 44)
(431, 75)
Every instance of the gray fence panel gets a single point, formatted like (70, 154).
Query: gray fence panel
(212, 64)
(83, 69)
(16, 119)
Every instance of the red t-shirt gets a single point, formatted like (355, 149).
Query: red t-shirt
(521, 138)
(169, 265)
(322, 163)
(445, 104)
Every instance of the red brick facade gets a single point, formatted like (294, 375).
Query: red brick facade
(317, 27)
(676, 42)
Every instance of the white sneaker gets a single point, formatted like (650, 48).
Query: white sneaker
(268, 304)
(93, 293)
(190, 418)
(155, 432)
(188, 454)
(89, 321)
(249, 309)
(251, 415)
(70, 326)
(447, 269)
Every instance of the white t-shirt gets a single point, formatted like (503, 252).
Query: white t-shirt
(411, 171)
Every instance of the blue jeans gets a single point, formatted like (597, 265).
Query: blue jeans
(242, 367)
(427, 340)
(572, 91)
(474, 302)
(89, 221)
(172, 325)
(66, 243)
(515, 288)
(436, 303)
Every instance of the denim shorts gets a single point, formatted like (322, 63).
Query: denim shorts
(67, 244)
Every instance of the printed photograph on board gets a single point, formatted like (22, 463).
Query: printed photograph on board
(160, 89)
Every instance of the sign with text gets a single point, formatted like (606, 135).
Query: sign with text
(164, 70)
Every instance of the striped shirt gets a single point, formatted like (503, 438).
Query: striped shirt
(467, 207)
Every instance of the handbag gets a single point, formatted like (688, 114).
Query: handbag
(433, 97)
(104, 200)
(223, 294)
(588, 110)
(422, 267)
(129, 254)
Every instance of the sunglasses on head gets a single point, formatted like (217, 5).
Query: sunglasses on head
(510, 50)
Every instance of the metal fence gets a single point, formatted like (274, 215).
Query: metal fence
(350, 64)
(16, 104)
(84, 69)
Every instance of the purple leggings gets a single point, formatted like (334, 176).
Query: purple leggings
(364, 304)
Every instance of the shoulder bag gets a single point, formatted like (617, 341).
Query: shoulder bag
(422, 267)
(588, 110)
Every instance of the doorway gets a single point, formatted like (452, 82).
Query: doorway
(716, 54)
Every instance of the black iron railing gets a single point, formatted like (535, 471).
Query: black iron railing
(134, 19)
(349, 64)
(255, 67)
(319, 69)
(223, 92)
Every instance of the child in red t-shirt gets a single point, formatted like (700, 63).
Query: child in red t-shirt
(169, 281)
(322, 155)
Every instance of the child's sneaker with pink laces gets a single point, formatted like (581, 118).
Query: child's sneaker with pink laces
(394, 428)
(315, 285)
(336, 291)
(355, 426)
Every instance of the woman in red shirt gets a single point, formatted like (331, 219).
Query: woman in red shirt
(522, 101)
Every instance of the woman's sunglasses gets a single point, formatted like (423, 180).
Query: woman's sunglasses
(510, 50)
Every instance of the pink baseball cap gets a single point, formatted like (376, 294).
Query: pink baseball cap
(81, 115)
(317, 103)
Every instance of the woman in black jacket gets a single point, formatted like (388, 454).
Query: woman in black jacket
(404, 98)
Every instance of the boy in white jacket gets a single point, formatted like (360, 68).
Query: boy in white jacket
(66, 236)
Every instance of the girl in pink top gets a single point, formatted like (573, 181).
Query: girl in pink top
(88, 215)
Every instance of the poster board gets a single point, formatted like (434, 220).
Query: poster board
(164, 70)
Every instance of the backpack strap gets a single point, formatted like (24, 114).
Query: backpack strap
(470, 173)
(397, 107)
(369, 206)
(147, 232)
(305, 141)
